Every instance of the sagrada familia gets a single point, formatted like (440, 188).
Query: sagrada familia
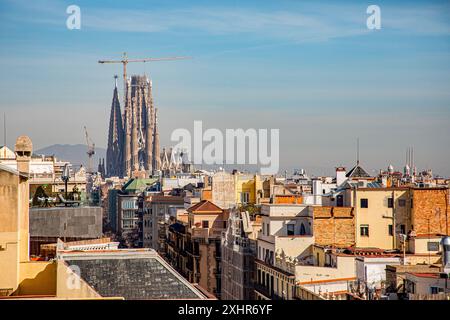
(133, 139)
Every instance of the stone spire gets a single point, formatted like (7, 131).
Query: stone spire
(156, 152)
(150, 118)
(114, 153)
(127, 128)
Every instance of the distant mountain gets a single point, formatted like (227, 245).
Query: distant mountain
(75, 153)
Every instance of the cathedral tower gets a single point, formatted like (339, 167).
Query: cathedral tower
(114, 153)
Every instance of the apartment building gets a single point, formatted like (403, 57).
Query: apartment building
(238, 257)
(155, 213)
(284, 241)
(194, 248)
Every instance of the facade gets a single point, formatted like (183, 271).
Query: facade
(133, 140)
(371, 270)
(127, 218)
(194, 246)
(286, 232)
(383, 214)
(14, 230)
(156, 211)
(426, 286)
(206, 222)
(46, 225)
(238, 258)
(231, 189)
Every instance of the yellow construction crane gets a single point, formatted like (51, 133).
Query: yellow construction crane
(91, 150)
(125, 61)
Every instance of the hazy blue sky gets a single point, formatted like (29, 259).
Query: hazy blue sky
(311, 69)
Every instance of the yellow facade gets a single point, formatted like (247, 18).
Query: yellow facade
(378, 220)
(248, 189)
(14, 236)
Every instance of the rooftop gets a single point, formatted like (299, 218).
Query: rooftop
(135, 274)
(205, 206)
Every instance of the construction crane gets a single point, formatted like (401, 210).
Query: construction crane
(125, 61)
(91, 150)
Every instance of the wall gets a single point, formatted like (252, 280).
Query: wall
(37, 278)
(377, 216)
(419, 245)
(296, 247)
(431, 212)
(345, 268)
(9, 233)
(66, 276)
(223, 190)
(373, 270)
(81, 222)
(334, 226)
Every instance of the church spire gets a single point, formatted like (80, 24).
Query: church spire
(156, 152)
(114, 154)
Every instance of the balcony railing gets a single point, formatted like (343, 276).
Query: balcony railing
(266, 292)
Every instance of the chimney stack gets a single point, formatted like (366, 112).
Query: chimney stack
(23, 150)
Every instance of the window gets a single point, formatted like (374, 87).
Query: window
(205, 224)
(364, 203)
(402, 229)
(290, 229)
(224, 224)
(433, 246)
(436, 290)
(391, 230)
(364, 230)
(245, 197)
(390, 202)
(302, 229)
(340, 201)
(401, 202)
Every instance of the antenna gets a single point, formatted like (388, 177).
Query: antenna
(357, 151)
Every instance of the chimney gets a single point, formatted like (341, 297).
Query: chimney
(445, 242)
(23, 150)
(340, 176)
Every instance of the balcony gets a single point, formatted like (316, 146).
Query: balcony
(265, 292)
(206, 233)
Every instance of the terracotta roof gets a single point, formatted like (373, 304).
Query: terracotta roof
(205, 206)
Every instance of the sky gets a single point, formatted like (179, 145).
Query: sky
(311, 69)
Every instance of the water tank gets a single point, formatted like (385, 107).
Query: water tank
(445, 242)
